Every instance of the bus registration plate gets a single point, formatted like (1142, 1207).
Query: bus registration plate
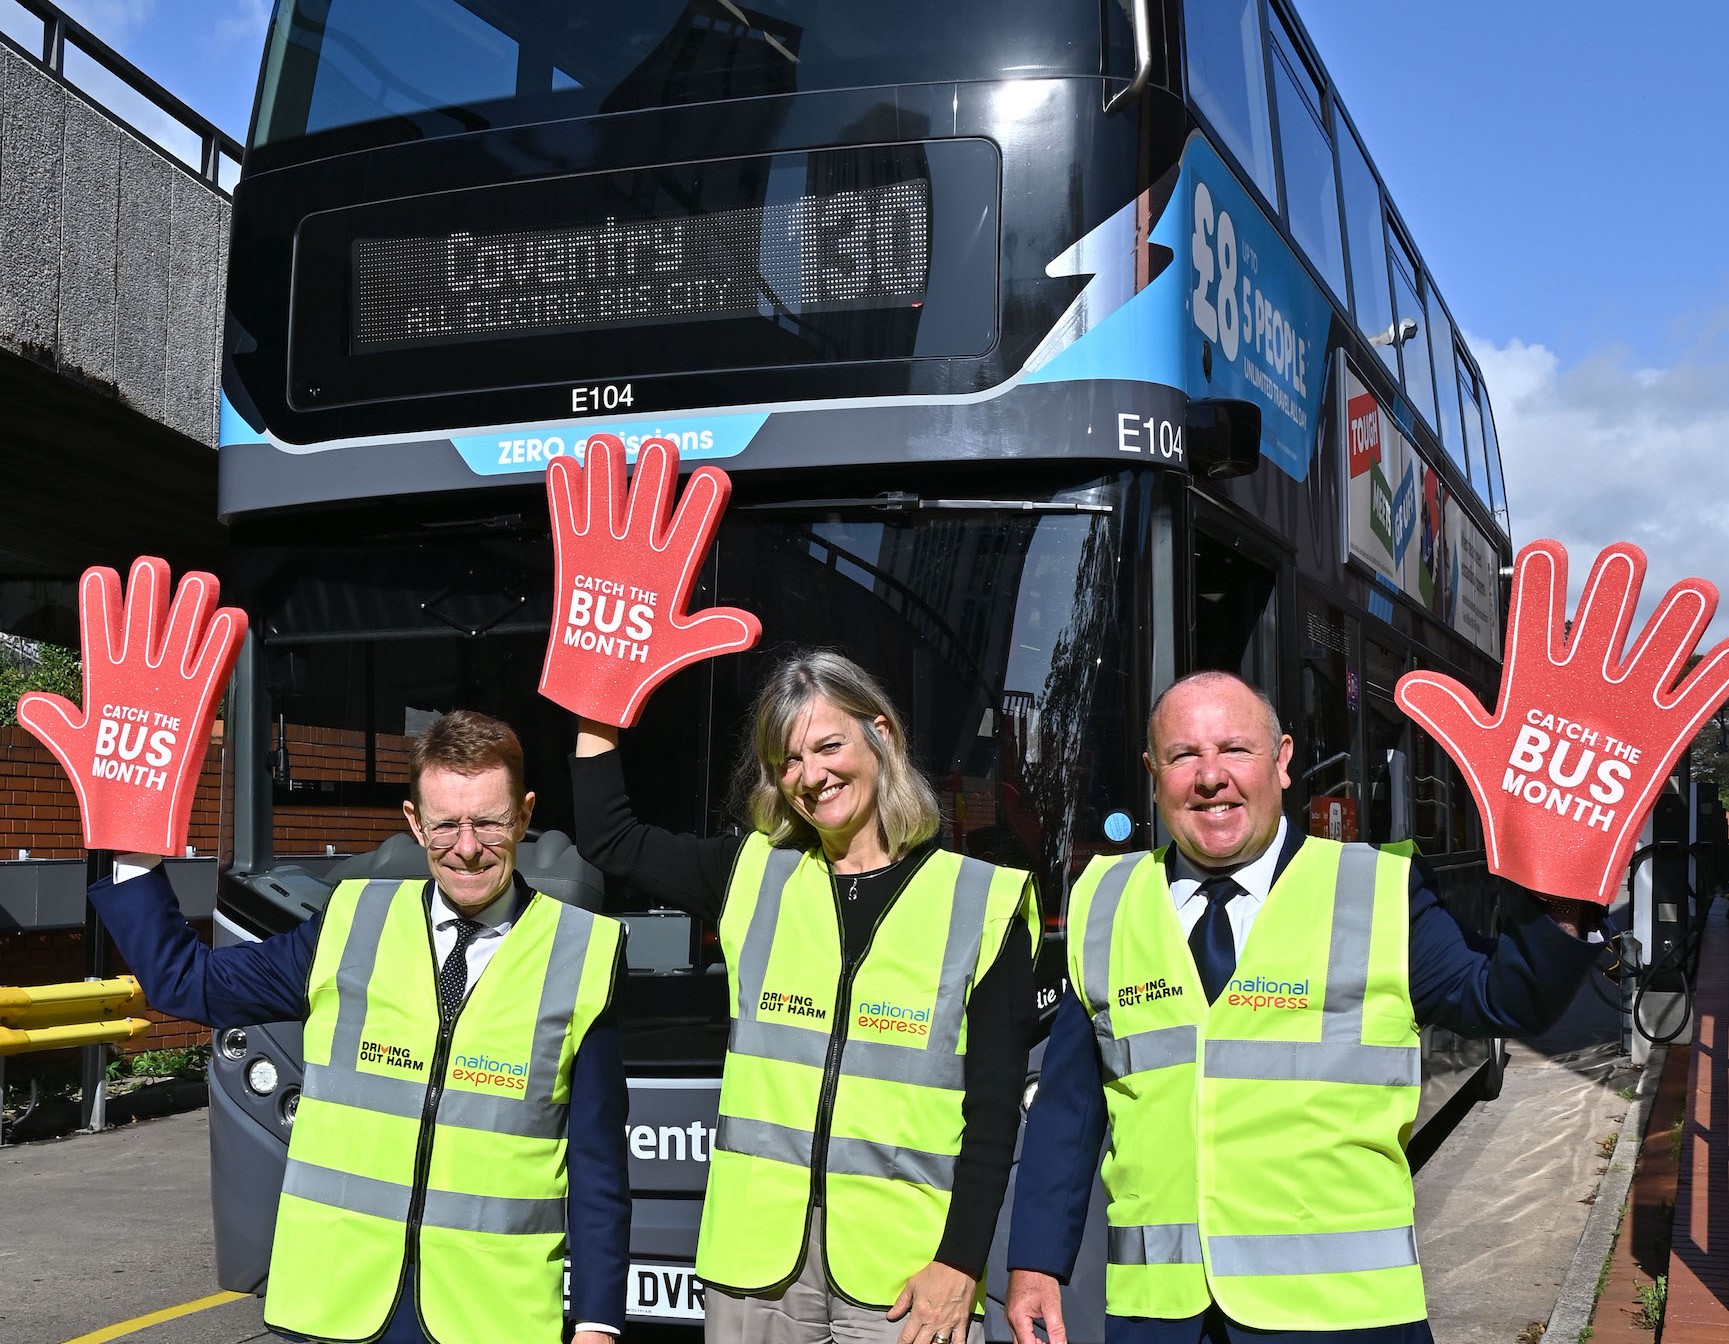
(665, 1292)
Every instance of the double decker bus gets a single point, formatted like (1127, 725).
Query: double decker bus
(1055, 349)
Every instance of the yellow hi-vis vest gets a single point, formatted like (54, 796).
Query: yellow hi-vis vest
(877, 1061)
(446, 1146)
(1256, 1152)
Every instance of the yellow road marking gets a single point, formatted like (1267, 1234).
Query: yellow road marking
(138, 1323)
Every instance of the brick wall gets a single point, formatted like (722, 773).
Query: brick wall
(39, 812)
(340, 754)
(54, 956)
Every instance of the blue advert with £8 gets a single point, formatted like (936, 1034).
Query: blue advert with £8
(1256, 308)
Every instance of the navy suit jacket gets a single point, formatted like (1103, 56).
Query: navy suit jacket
(266, 982)
(1516, 985)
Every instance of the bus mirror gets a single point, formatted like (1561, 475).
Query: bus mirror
(1223, 437)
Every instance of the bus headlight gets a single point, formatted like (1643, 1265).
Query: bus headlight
(1030, 1091)
(232, 1043)
(290, 1105)
(261, 1077)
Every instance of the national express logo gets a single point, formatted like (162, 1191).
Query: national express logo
(1254, 993)
(789, 1005)
(1148, 991)
(892, 1017)
(484, 1071)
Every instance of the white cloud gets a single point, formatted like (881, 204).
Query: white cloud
(113, 21)
(243, 25)
(1610, 450)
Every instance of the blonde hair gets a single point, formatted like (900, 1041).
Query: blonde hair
(906, 805)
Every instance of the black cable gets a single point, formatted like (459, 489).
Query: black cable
(1613, 973)
(1683, 957)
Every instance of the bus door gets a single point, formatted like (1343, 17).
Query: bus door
(1387, 747)
(1327, 768)
(1234, 594)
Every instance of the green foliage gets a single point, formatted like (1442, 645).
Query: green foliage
(28, 666)
(1652, 1299)
(1709, 752)
(177, 1062)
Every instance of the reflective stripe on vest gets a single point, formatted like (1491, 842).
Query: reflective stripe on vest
(1157, 1244)
(894, 1086)
(1166, 1259)
(363, 1136)
(851, 1157)
(443, 1208)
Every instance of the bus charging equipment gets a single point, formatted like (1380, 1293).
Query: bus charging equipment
(1676, 872)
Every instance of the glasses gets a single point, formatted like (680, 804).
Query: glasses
(486, 830)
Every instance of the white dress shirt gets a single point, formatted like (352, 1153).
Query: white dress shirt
(495, 922)
(1255, 877)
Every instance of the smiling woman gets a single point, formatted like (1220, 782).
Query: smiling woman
(844, 777)
(880, 991)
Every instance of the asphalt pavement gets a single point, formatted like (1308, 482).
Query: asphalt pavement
(101, 1229)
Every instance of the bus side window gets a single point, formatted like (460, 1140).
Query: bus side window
(1228, 81)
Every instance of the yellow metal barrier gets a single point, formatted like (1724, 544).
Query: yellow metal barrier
(81, 1012)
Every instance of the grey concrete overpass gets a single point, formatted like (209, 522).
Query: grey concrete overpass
(113, 254)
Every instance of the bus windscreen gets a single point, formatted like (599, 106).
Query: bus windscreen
(452, 66)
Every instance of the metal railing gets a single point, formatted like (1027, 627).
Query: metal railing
(82, 62)
(88, 1013)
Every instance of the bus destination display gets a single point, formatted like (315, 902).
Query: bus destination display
(845, 250)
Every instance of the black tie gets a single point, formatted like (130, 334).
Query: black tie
(1210, 941)
(453, 975)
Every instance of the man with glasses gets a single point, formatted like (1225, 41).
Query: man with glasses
(461, 1131)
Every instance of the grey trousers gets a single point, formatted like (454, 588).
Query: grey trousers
(805, 1312)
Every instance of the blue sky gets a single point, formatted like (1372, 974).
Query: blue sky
(1561, 167)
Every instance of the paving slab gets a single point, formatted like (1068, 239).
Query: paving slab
(1502, 1204)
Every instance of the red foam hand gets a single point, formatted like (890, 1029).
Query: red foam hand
(1581, 739)
(626, 566)
(153, 674)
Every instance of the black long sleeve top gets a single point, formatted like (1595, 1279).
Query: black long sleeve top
(691, 873)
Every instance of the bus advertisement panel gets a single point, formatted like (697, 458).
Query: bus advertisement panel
(1405, 524)
(1262, 320)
